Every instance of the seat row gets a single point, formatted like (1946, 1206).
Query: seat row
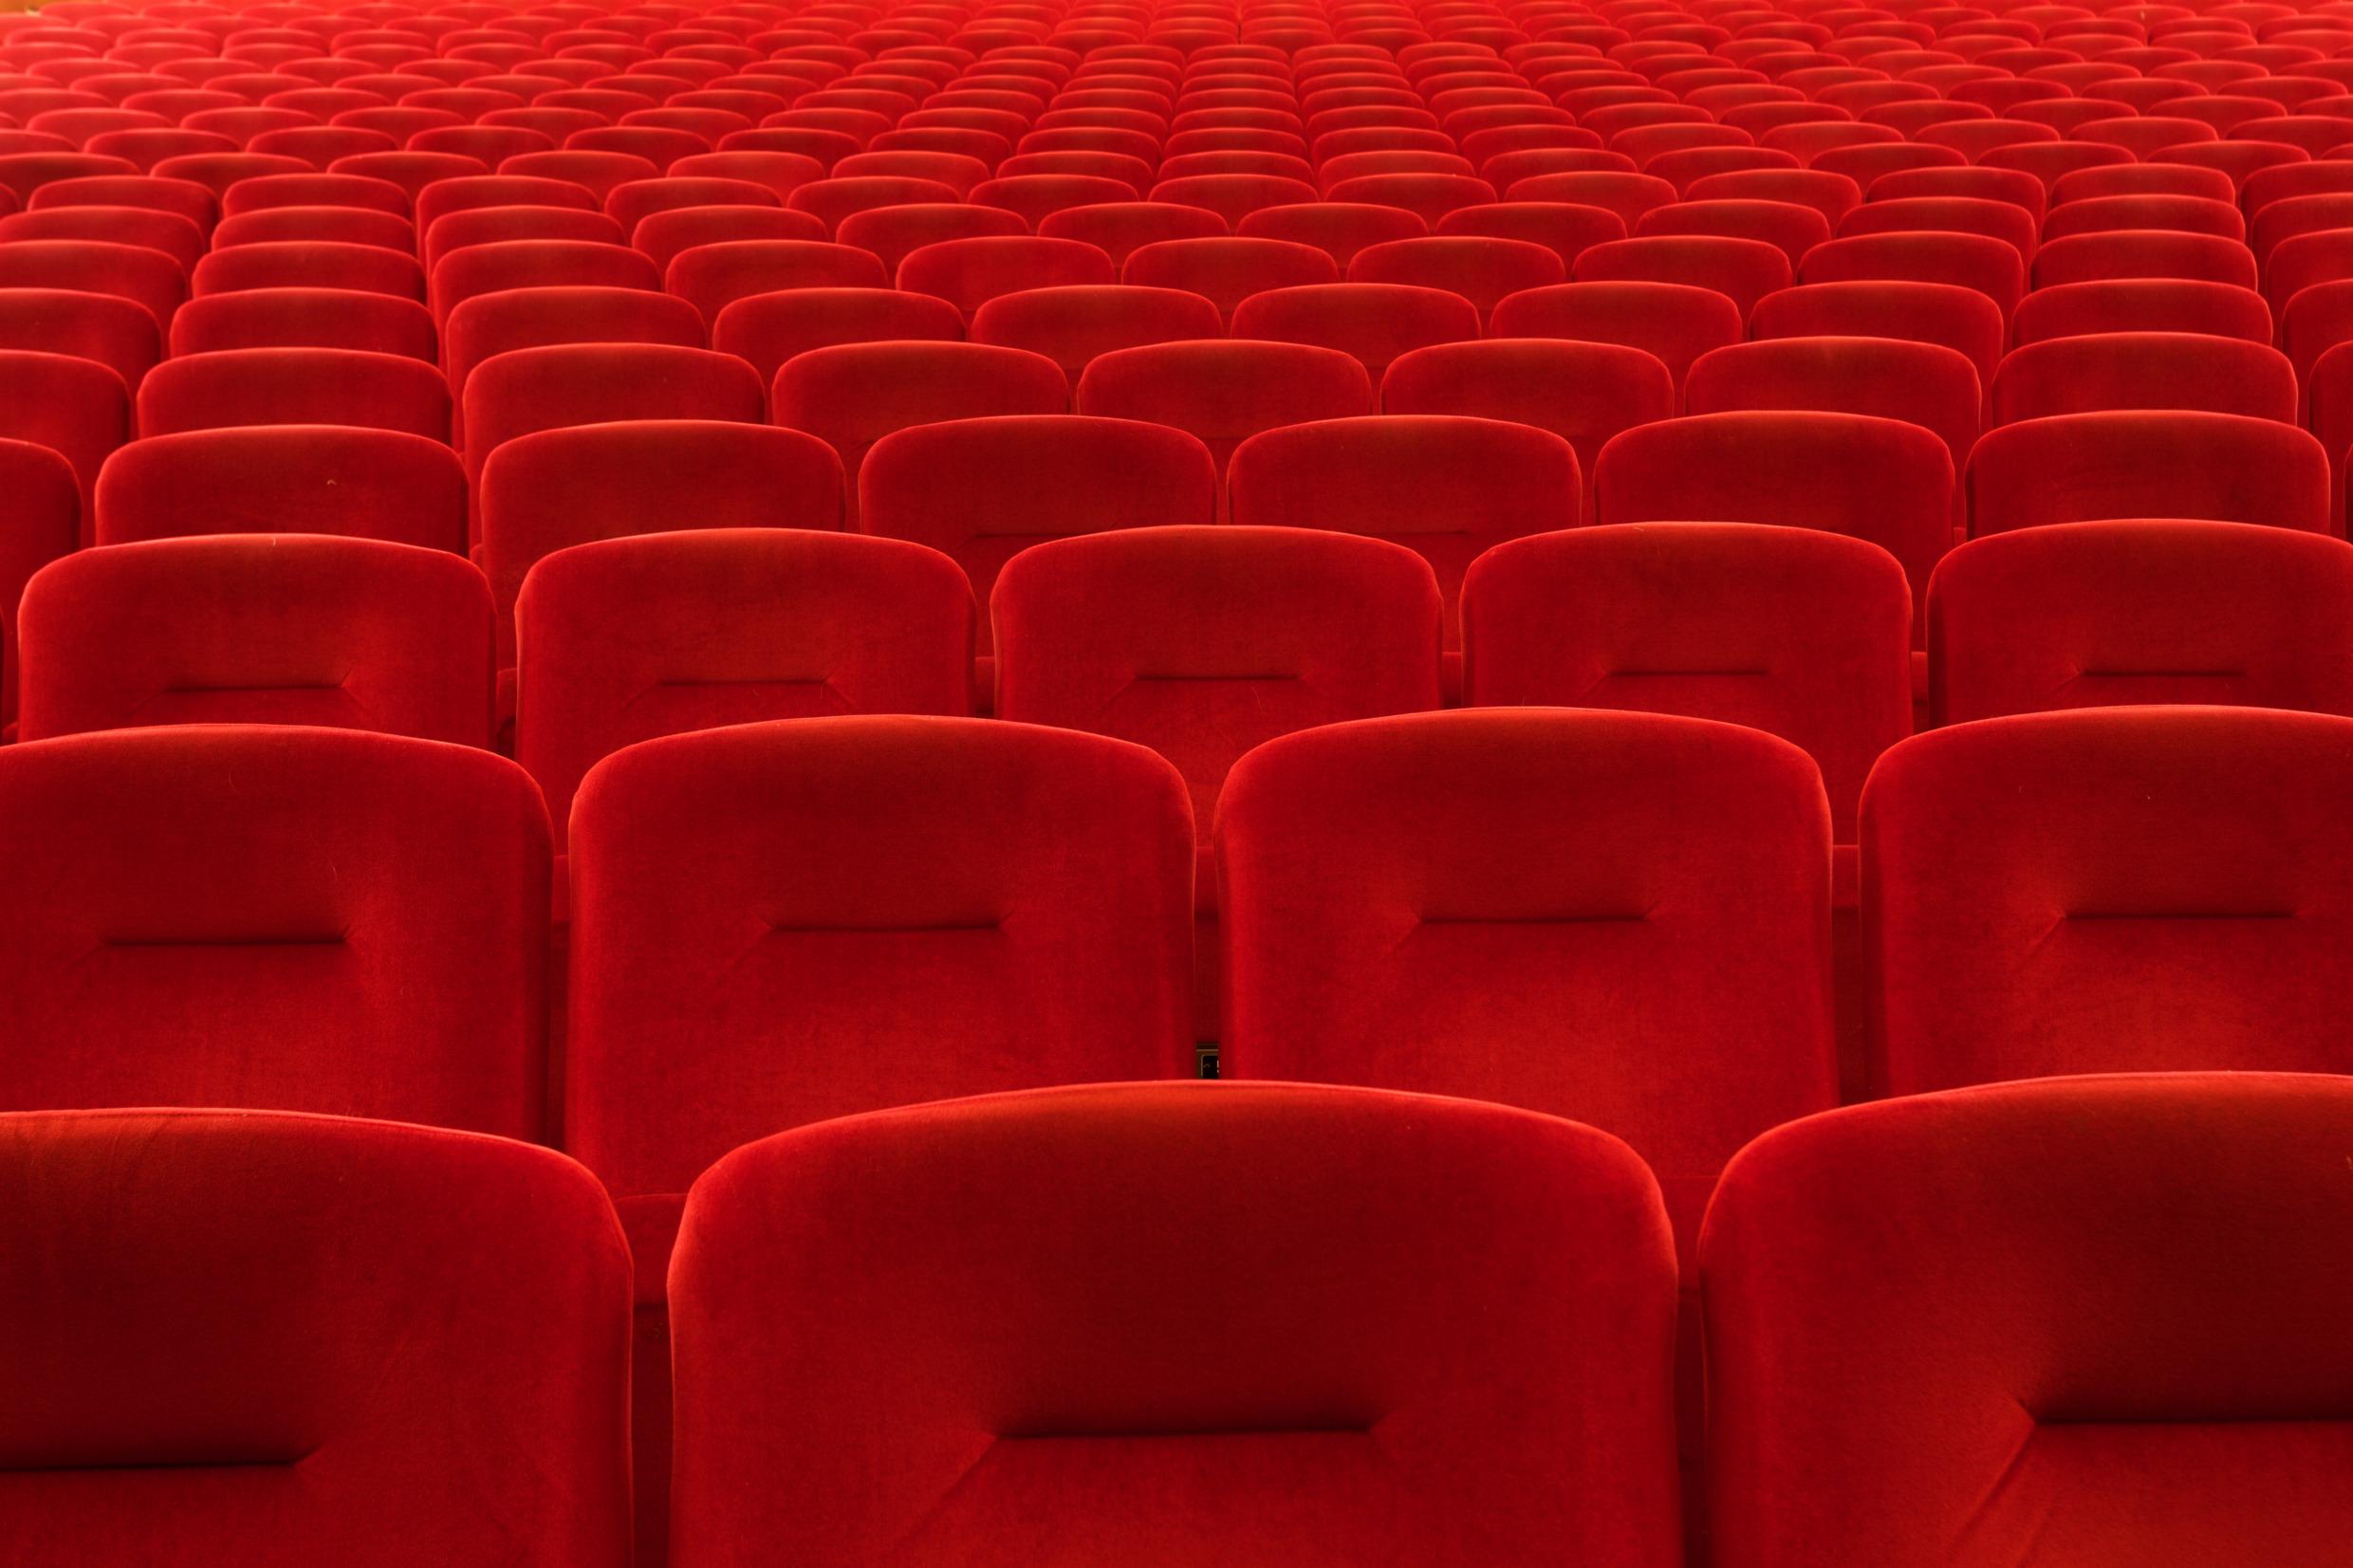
(1942, 1329)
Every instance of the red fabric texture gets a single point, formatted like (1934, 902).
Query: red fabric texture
(1072, 323)
(508, 319)
(77, 408)
(663, 235)
(2087, 1321)
(1925, 384)
(1225, 392)
(1225, 1323)
(2077, 467)
(2019, 921)
(1620, 918)
(495, 224)
(1227, 270)
(1446, 486)
(354, 634)
(527, 390)
(294, 386)
(367, 484)
(1674, 323)
(852, 394)
(1483, 269)
(42, 523)
(1991, 266)
(478, 270)
(304, 318)
(767, 329)
(1744, 270)
(969, 272)
(982, 489)
(1880, 480)
(1946, 314)
(2154, 370)
(627, 639)
(115, 333)
(2144, 304)
(1800, 634)
(298, 919)
(1376, 321)
(279, 1340)
(711, 277)
(309, 264)
(1583, 391)
(2084, 614)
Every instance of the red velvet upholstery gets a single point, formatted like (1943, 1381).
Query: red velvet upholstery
(2080, 615)
(554, 488)
(2129, 370)
(892, 233)
(367, 484)
(1225, 392)
(304, 318)
(2143, 305)
(177, 236)
(118, 333)
(526, 390)
(1338, 228)
(1203, 642)
(713, 276)
(2144, 253)
(767, 329)
(1744, 270)
(293, 386)
(508, 319)
(2085, 1322)
(1617, 916)
(1118, 228)
(77, 408)
(42, 523)
(1925, 384)
(661, 236)
(309, 919)
(258, 629)
(277, 1339)
(1802, 634)
(1072, 323)
(477, 269)
(1225, 1323)
(1945, 314)
(466, 227)
(1991, 266)
(1375, 321)
(1446, 486)
(310, 264)
(97, 267)
(2076, 467)
(1792, 228)
(852, 394)
(1869, 478)
(1583, 391)
(1673, 322)
(778, 923)
(2113, 888)
(1227, 270)
(969, 272)
(1483, 269)
(629, 639)
(982, 489)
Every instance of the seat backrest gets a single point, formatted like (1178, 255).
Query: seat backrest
(554, 488)
(1925, 384)
(1800, 634)
(1201, 642)
(767, 329)
(228, 1298)
(1196, 1353)
(1072, 323)
(329, 479)
(983, 490)
(629, 639)
(778, 923)
(2078, 1320)
(1948, 315)
(1882, 480)
(2145, 370)
(1674, 323)
(298, 919)
(2089, 615)
(2107, 889)
(526, 390)
(1583, 391)
(355, 634)
(1622, 917)
(305, 317)
(1446, 486)
(477, 269)
(1225, 390)
(294, 386)
(2074, 468)
(506, 318)
(76, 407)
(2143, 305)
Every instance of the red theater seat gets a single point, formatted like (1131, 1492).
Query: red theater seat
(1375, 321)
(728, 626)
(2145, 370)
(533, 389)
(1479, 268)
(893, 233)
(169, 233)
(471, 225)
(508, 319)
(977, 905)
(279, 1340)
(711, 277)
(767, 329)
(1072, 323)
(2082, 615)
(1583, 391)
(1202, 642)
(298, 919)
(2083, 1321)
(97, 267)
(1447, 486)
(1880, 480)
(1992, 268)
(1802, 634)
(554, 488)
(2075, 467)
(318, 225)
(1673, 322)
(2143, 305)
(1924, 384)
(294, 386)
(2017, 923)
(982, 489)
(1225, 392)
(1194, 1386)
(310, 264)
(1227, 270)
(119, 334)
(969, 272)
(1948, 315)
(852, 394)
(258, 629)
(477, 269)
(1338, 228)
(329, 479)
(1536, 907)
